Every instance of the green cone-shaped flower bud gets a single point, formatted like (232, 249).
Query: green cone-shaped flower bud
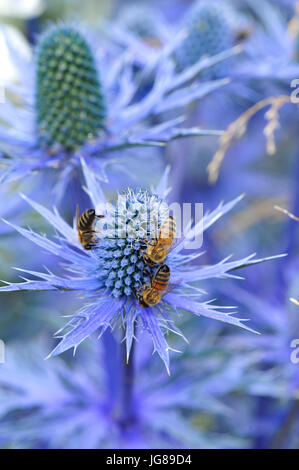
(69, 101)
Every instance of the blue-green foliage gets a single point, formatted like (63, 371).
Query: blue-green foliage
(208, 33)
(69, 101)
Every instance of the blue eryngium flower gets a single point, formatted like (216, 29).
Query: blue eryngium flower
(55, 405)
(208, 33)
(271, 48)
(110, 274)
(79, 99)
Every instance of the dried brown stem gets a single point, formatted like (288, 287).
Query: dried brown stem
(258, 210)
(293, 26)
(237, 129)
(285, 211)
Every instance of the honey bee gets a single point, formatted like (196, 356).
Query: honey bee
(156, 252)
(85, 227)
(151, 294)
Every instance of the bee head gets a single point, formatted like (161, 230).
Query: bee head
(139, 297)
(91, 212)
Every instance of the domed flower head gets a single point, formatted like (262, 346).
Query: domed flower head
(77, 98)
(208, 33)
(205, 38)
(124, 280)
(214, 26)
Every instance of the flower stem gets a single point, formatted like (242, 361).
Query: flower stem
(283, 432)
(127, 414)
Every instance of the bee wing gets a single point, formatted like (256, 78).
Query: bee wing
(77, 214)
(171, 286)
(175, 243)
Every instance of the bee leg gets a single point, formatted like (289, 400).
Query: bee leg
(148, 272)
(143, 248)
(172, 286)
(138, 295)
(146, 243)
(155, 240)
(139, 289)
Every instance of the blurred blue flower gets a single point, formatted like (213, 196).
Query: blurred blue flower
(110, 274)
(208, 34)
(210, 28)
(78, 99)
(280, 326)
(80, 405)
(276, 395)
(271, 47)
(146, 32)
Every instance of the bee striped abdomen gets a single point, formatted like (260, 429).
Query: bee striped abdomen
(86, 220)
(161, 278)
(85, 228)
(151, 294)
(156, 252)
(168, 229)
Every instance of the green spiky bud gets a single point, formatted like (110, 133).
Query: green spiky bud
(69, 103)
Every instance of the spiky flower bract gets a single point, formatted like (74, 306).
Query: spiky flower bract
(62, 112)
(270, 48)
(279, 321)
(53, 404)
(208, 34)
(108, 277)
(69, 101)
(262, 32)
